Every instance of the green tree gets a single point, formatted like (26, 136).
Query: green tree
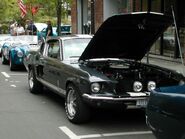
(9, 10)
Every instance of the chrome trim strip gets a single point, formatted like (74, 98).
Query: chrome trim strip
(53, 87)
(87, 96)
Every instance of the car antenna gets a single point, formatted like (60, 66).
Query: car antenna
(178, 41)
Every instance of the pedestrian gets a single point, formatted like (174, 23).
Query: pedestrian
(12, 27)
(19, 30)
(26, 26)
(49, 29)
(31, 29)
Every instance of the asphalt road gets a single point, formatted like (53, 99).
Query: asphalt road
(27, 116)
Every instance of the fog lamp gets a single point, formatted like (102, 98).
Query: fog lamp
(151, 85)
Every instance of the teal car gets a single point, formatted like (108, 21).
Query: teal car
(65, 30)
(165, 113)
(14, 51)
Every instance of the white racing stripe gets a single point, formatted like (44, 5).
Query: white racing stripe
(72, 135)
(5, 74)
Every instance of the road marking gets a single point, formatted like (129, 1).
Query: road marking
(13, 85)
(5, 74)
(18, 74)
(68, 132)
(72, 135)
(14, 81)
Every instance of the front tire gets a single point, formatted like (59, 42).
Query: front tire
(12, 65)
(76, 110)
(35, 86)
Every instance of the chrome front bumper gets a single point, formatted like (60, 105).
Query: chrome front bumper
(132, 96)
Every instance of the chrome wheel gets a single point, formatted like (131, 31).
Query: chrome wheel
(30, 80)
(35, 86)
(76, 110)
(71, 103)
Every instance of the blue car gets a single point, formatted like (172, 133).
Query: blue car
(13, 52)
(65, 30)
(165, 113)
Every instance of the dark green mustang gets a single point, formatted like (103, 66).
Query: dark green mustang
(103, 70)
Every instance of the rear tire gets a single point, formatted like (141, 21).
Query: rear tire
(35, 86)
(4, 61)
(76, 110)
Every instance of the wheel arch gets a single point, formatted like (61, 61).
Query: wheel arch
(81, 85)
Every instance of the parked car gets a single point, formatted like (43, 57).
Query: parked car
(165, 113)
(65, 30)
(103, 71)
(7, 45)
(42, 34)
(40, 26)
(3, 39)
(15, 50)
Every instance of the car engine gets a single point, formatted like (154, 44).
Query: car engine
(127, 73)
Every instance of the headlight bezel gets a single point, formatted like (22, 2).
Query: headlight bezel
(137, 86)
(95, 87)
(181, 82)
(20, 54)
(151, 85)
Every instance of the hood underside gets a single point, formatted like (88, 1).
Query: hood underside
(127, 36)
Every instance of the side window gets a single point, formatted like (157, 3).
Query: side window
(54, 49)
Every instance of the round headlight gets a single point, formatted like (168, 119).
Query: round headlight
(181, 82)
(137, 86)
(20, 54)
(151, 85)
(95, 87)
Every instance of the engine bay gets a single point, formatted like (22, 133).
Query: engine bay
(127, 72)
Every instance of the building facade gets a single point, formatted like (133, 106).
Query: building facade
(88, 15)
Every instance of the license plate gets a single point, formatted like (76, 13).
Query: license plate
(141, 103)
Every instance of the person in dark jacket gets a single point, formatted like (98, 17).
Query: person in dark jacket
(49, 29)
(31, 29)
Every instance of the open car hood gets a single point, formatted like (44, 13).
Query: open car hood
(127, 36)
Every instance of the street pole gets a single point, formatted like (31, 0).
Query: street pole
(177, 35)
(92, 16)
(59, 10)
(149, 10)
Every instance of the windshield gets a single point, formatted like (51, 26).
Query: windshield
(74, 47)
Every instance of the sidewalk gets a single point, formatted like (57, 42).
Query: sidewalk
(174, 64)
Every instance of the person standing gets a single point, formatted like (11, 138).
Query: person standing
(49, 29)
(19, 30)
(12, 27)
(26, 26)
(32, 29)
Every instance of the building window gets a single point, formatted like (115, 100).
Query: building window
(156, 5)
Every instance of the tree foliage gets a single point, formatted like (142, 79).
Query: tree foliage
(47, 10)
